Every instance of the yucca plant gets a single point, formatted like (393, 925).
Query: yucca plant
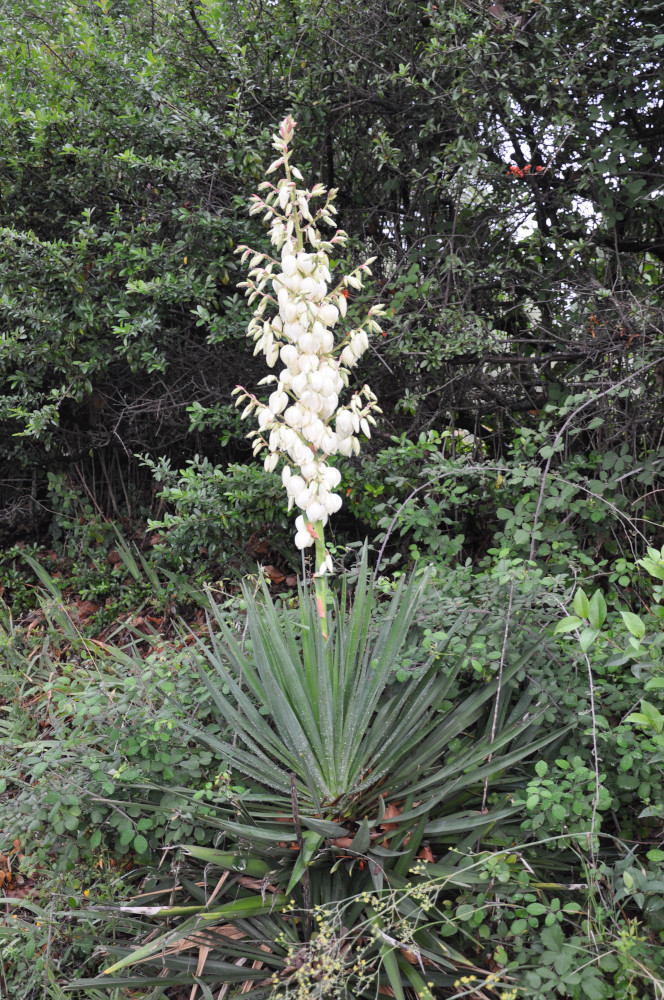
(341, 785)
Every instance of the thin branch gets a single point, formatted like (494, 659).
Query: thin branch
(306, 881)
(559, 435)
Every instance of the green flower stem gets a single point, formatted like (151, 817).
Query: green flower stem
(320, 582)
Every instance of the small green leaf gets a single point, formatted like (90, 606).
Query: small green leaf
(587, 638)
(594, 988)
(634, 624)
(140, 844)
(581, 604)
(558, 812)
(541, 767)
(567, 624)
(95, 840)
(552, 938)
(597, 609)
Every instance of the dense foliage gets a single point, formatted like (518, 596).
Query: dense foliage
(504, 164)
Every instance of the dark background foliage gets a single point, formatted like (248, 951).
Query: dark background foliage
(504, 163)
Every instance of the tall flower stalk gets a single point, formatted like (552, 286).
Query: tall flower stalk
(303, 423)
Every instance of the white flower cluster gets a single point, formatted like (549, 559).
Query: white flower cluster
(303, 421)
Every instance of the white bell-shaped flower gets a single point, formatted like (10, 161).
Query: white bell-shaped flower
(333, 503)
(289, 354)
(288, 264)
(344, 424)
(329, 314)
(303, 538)
(265, 418)
(305, 263)
(331, 477)
(316, 512)
(278, 401)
